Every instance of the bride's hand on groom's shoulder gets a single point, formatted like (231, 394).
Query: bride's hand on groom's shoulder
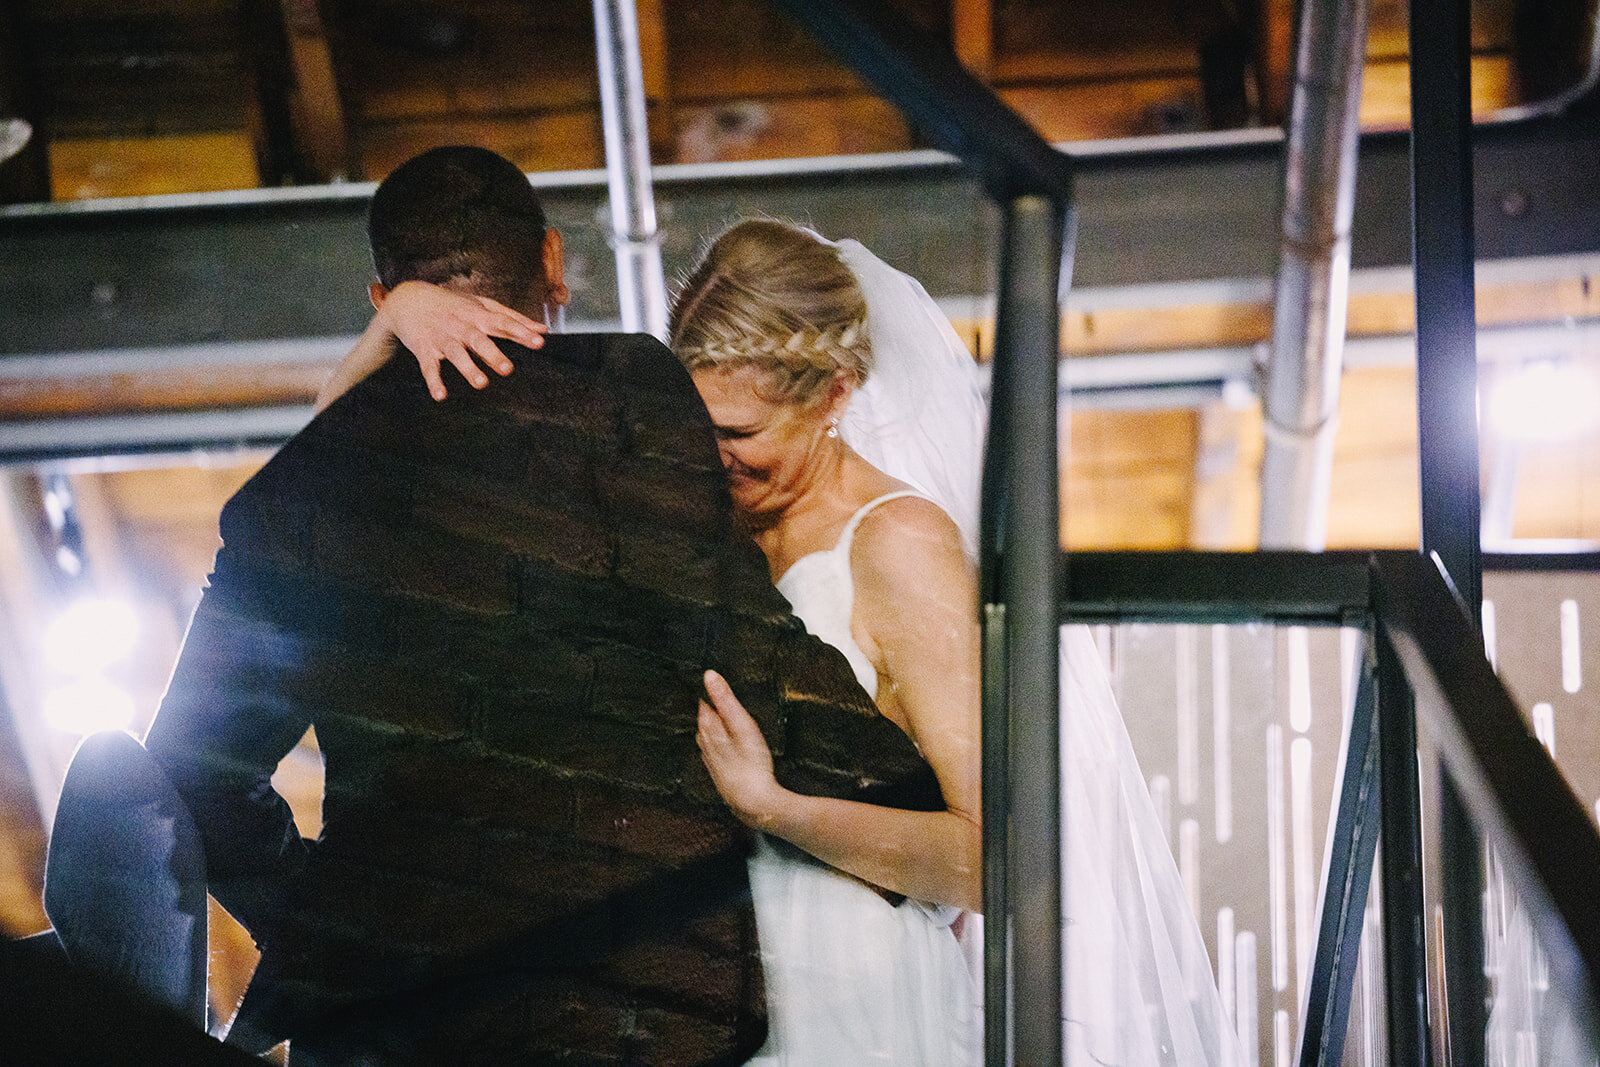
(439, 325)
(737, 756)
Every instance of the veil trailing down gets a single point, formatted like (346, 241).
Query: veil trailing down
(1139, 985)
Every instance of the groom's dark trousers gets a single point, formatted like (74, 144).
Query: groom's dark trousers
(495, 612)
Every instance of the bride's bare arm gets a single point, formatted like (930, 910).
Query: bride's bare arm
(374, 348)
(915, 597)
(438, 325)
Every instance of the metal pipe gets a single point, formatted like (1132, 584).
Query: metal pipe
(1033, 263)
(1301, 388)
(641, 283)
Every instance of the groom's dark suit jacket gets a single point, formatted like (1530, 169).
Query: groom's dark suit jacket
(495, 611)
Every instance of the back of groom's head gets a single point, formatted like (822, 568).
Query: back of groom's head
(465, 217)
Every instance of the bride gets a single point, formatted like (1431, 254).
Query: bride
(849, 418)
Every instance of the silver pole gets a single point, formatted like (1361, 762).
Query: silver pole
(1300, 397)
(641, 285)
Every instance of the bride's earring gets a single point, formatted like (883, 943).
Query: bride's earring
(833, 427)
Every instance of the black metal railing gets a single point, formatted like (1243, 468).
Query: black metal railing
(1426, 669)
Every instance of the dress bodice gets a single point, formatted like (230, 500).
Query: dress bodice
(822, 594)
(852, 978)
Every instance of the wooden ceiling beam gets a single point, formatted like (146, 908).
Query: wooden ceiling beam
(1275, 39)
(267, 109)
(1551, 45)
(972, 30)
(657, 78)
(1223, 38)
(25, 177)
(297, 116)
(321, 131)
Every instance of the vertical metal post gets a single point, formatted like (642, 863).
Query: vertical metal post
(1447, 393)
(1032, 262)
(1405, 924)
(996, 838)
(1443, 253)
(641, 284)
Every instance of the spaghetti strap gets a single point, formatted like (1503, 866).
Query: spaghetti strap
(851, 979)
(847, 535)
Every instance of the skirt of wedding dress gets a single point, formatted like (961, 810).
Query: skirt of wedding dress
(853, 979)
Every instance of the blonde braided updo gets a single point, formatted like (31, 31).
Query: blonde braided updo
(773, 296)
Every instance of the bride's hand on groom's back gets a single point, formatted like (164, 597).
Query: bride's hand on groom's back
(439, 325)
(737, 756)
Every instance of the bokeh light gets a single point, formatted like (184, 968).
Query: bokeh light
(1546, 401)
(87, 705)
(90, 635)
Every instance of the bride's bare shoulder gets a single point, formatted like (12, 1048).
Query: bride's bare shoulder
(909, 539)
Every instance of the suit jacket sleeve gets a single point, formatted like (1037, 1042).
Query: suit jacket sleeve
(222, 728)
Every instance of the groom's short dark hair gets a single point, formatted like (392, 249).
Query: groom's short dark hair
(459, 212)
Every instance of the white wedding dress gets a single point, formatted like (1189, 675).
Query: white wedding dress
(854, 980)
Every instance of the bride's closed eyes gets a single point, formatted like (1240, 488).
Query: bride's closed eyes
(735, 433)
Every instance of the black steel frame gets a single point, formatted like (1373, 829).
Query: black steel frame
(1023, 574)
(1425, 667)
(1447, 394)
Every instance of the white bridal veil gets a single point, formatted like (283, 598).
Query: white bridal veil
(1140, 989)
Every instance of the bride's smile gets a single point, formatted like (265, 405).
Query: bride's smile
(774, 452)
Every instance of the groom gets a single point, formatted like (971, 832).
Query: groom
(496, 613)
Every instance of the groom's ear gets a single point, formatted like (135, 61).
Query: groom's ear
(377, 292)
(555, 285)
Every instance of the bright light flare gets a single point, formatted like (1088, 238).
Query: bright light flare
(90, 635)
(88, 705)
(1546, 401)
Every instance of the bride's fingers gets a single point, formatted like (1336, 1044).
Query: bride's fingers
(484, 347)
(720, 692)
(462, 360)
(500, 321)
(712, 729)
(503, 322)
(493, 306)
(736, 723)
(430, 374)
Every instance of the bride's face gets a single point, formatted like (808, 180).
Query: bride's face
(770, 450)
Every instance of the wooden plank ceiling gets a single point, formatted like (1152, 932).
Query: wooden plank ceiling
(137, 97)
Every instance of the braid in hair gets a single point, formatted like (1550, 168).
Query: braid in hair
(772, 296)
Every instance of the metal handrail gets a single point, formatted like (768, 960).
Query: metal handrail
(1511, 787)
(1428, 670)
